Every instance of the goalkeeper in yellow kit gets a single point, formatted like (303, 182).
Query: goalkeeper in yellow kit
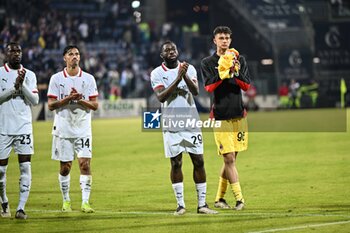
(225, 74)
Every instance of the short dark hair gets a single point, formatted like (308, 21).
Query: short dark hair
(222, 29)
(69, 47)
(164, 43)
(12, 43)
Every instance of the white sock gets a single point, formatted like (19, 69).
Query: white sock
(179, 193)
(201, 193)
(64, 186)
(85, 185)
(25, 182)
(3, 196)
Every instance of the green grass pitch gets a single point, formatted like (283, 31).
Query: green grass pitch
(292, 182)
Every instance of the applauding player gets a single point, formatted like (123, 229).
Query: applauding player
(17, 92)
(73, 94)
(225, 74)
(174, 84)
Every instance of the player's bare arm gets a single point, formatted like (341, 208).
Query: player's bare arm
(164, 93)
(90, 104)
(192, 85)
(55, 104)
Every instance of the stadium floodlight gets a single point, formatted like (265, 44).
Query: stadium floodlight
(316, 60)
(135, 4)
(266, 62)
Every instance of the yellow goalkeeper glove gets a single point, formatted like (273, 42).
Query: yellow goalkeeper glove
(228, 64)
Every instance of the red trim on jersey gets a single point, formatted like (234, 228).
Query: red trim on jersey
(92, 96)
(7, 68)
(244, 86)
(164, 67)
(52, 96)
(64, 73)
(213, 86)
(157, 87)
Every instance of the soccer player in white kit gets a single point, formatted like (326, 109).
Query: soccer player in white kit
(73, 95)
(174, 84)
(18, 91)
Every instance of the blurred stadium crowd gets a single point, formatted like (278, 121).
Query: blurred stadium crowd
(282, 40)
(115, 48)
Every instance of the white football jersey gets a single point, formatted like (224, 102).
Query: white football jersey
(72, 120)
(15, 111)
(162, 76)
(180, 105)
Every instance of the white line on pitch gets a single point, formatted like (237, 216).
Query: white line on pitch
(189, 213)
(302, 227)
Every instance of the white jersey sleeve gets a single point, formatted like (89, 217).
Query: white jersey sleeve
(30, 89)
(53, 90)
(192, 73)
(15, 109)
(91, 91)
(156, 79)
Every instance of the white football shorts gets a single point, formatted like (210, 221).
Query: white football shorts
(182, 141)
(64, 149)
(22, 144)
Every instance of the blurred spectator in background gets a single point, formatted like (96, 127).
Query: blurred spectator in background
(308, 94)
(126, 82)
(313, 92)
(113, 77)
(251, 94)
(84, 30)
(294, 99)
(283, 95)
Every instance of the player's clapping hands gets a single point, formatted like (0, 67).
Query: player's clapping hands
(20, 78)
(74, 95)
(183, 69)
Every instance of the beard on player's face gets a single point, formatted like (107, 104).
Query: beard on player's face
(14, 56)
(15, 61)
(171, 59)
(73, 63)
